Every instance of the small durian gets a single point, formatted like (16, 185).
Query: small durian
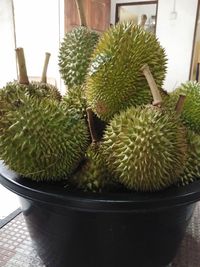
(93, 174)
(75, 99)
(145, 148)
(43, 142)
(191, 111)
(115, 81)
(75, 53)
(191, 171)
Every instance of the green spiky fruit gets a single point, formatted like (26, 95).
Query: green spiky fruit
(145, 148)
(93, 175)
(43, 142)
(74, 55)
(191, 170)
(75, 99)
(14, 94)
(191, 110)
(115, 80)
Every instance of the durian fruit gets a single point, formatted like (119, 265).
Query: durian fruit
(13, 94)
(43, 142)
(191, 111)
(93, 174)
(191, 170)
(39, 89)
(145, 148)
(75, 99)
(74, 55)
(14, 91)
(115, 80)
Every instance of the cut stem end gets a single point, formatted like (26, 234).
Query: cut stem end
(44, 71)
(23, 77)
(157, 99)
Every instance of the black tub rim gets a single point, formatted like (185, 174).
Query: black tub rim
(56, 195)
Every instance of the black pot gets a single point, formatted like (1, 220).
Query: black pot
(76, 229)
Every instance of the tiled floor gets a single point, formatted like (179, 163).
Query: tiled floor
(8, 202)
(16, 247)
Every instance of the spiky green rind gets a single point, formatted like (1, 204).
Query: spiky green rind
(191, 110)
(165, 96)
(191, 170)
(115, 80)
(145, 148)
(93, 174)
(44, 90)
(75, 99)
(14, 94)
(43, 142)
(74, 55)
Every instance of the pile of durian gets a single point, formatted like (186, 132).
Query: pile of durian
(115, 128)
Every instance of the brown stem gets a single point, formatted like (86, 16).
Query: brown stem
(157, 100)
(91, 125)
(23, 77)
(44, 71)
(81, 13)
(143, 20)
(180, 104)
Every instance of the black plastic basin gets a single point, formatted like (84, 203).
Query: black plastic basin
(77, 229)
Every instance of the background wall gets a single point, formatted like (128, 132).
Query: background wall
(7, 43)
(39, 29)
(175, 35)
(196, 57)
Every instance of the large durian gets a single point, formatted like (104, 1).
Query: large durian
(115, 80)
(145, 148)
(191, 170)
(75, 53)
(191, 111)
(43, 142)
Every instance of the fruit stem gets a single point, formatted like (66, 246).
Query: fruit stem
(90, 120)
(157, 99)
(81, 13)
(44, 71)
(180, 104)
(143, 20)
(23, 78)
